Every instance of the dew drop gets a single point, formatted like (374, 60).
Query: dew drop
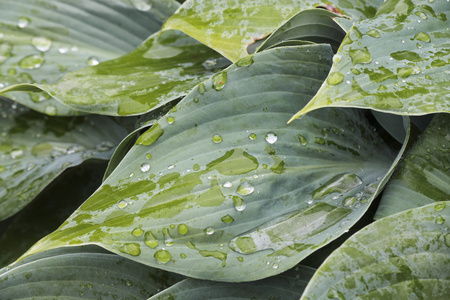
(150, 240)
(182, 229)
(50, 110)
(162, 256)
(201, 88)
(219, 81)
(360, 56)
(245, 188)
(167, 238)
(63, 50)
(142, 5)
(238, 203)
(216, 138)
(252, 136)
(422, 36)
(122, 204)
(145, 167)
(183, 256)
(349, 201)
(227, 184)
(240, 259)
(209, 230)
(227, 219)
(16, 153)
(335, 78)
(275, 266)
(31, 62)
(137, 231)
(23, 22)
(310, 201)
(148, 156)
(42, 44)
(130, 248)
(373, 33)
(319, 140)
(93, 61)
(440, 220)
(170, 120)
(271, 138)
(439, 206)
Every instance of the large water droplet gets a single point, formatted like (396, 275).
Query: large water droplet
(219, 80)
(252, 136)
(301, 139)
(182, 228)
(271, 138)
(145, 167)
(162, 256)
(335, 78)
(50, 110)
(245, 188)
(131, 248)
(41, 43)
(31, 62)
(137, 231)
(150, 240)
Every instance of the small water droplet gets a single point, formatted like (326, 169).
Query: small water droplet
(142, 5)
(23, 22)
(238, 203)
(240, 259)
(93, 61)
(227, 184)
(41, 43)
(50, 110)
(162, 256)
(439, 206)
(245, 188)
(252, 136)
(301, 139)
(310, 201)
(275, 266)
(201, 88)
(227, 219)
(145, 167)
(63, 50)
(360, 56)
(422, 36)
(183, 256)
(16, 153)
(31, 62)
(216, 138)
(170, 167)
(182, 229)
(170, 120)
(349, 201)
(347, 82)
(167, 238)
(373, 33)
(122, 204)
(219, 81)
(319, 140)
(335, 78)
(440, 220)
(131, 175)
(150, 240)
(271, 138)
(137, 231)
(209, 230)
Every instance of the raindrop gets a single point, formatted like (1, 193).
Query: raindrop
(275, 266)
(209, 63)
(122, 204)
(271, 138)
(349, 201)
(319, 140)
(50, 110)
(137, 231)
(16, 153)
(422, 36)
(182, 229)
(310, 201)
(373, 33)
(150, 240)
(252, 136)
(347, 82)
(30, 166)
(238, 203)
(201, 88)
(148, 156)
(301, 139)
(360, 56)
(63, 50)
(440, 220)
(145, 167)
(219, 81)
(183, 256)
(167, 238)
(41, 43)
(170, 120)
(227, 219)
(93, 61)
(335, 78)
(245, 188)
(142, 5)
(162, 256)
(439, 206)
(216, 138)
(31, 62)
(209, 230)
(227, 184)
(23, 22)
(170, 167)
(240, 259)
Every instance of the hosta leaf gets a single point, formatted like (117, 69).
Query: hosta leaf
(397, 62)
(403, 256)
(41, 41)
(81, 273)
(35, 148)
(315, 25)
(289, 285)
(230, 26)
(166, 66)
(423, 177)
(215, 188)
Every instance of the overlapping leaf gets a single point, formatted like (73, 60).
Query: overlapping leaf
(404, 256)
(222, 188)
(286, 286)
(81, 273)
(41, 41)
(230, 26)
(397, 62)
(35, 148)
(423, 177)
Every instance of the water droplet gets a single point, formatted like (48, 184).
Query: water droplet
(335, 78)
(16, 153)
(93, 61)
(30, 166)
(275, 266)
(170, 120)
(41, 43)
(421, 15)
(245, 188)
(196, 100)
(219, 81)
(137, 231)
(50, 110)
(63, 50)
(167, 238)
(360, 56)
(310, 201)
(227, 184)
(150, 240)
(209, 230)
(349, 201)
(240, 259)
(301, 139)
(447, 239)
(245, 62)
(339, 184)
(439, 206)
(131, 175)
(238, 203)
(440, 220)
(162, 256)
(201, 88)
(170, 167)
(128, 283)
(23, 22)
(182, 228)
(130, 248)
(148, 156)
(122, 204)
(355, 71)
(373, 33)
(145, 167)
(319, 140)
(252, 136)
(271, 138)
(227, 219)
(216, 138)
(183, 256)
(422, 36)
(31, 62)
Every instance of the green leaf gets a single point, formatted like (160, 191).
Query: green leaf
(397, 62)
(81, 273)
(314, 25)
(34, 149)
(423, 177)
(403, 256)
(289, 285)
(166, 66)
(228, 179)
(41, 41)
(50, 208)
(230, 26)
